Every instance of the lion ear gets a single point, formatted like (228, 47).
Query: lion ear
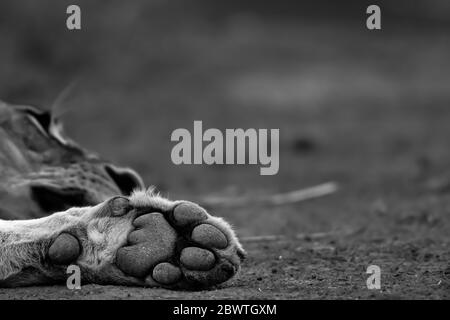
(56, 130)
(126, 179)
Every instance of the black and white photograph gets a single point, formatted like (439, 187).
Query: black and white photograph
(251, 150)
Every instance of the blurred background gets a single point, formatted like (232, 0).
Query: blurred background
(367, 109)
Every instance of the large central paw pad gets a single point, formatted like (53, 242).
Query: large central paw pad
(153, 241)
(183, 248)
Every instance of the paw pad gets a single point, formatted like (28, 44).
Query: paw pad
(197, 259)
(209, 236)
(187, 213)
(150, 245)
(182, 248)
(166, 273)
(119, 206)
(64, 250)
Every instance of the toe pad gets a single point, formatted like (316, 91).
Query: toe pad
(209, 236)
(197, 259)
(166, 273)
(187, 213)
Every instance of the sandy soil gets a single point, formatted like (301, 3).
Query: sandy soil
(330, 268)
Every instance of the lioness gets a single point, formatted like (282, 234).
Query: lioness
(61, 205)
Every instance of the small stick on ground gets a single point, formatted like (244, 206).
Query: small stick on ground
(274, 200)
(303, 236)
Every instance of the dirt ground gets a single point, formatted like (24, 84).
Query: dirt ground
(369, 111)
(329, 269)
